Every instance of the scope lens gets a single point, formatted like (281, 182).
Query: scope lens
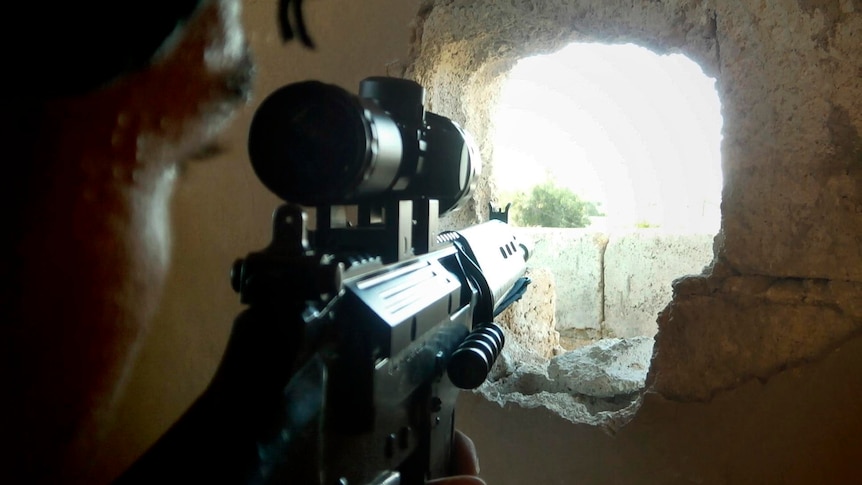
(308, 143)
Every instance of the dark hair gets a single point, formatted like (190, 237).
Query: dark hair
(67, 47)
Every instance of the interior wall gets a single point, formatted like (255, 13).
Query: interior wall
(754, 377)
(222, 212)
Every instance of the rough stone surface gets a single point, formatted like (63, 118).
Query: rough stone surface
(598, 384)
(639, 268)
(575, 257)
(719, 333)
(530, 320)
(789, 76)
(791, 88)
(614, 289)
(608, 368)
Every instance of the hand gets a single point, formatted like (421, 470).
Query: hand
(465, 463)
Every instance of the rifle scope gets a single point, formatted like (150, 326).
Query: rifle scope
(316, 144)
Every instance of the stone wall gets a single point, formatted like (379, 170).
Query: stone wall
(614, 285)
(589, 288)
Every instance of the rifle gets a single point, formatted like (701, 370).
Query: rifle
(346, 365)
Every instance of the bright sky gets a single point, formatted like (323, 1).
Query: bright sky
(620, 125)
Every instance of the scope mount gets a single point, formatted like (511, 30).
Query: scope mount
(394, 230)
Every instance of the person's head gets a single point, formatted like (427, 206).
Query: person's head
(95, 144)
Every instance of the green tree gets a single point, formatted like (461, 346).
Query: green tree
(548, 205)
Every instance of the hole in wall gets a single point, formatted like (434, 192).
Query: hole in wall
(632, 132)
(630, 140)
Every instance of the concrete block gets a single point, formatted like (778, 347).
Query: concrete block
(574, 256)
(639, 269)
(530, 320)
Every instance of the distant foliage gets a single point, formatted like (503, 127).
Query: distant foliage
(548, 205)
(646, 225)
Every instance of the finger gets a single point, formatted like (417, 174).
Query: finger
(465, 461)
